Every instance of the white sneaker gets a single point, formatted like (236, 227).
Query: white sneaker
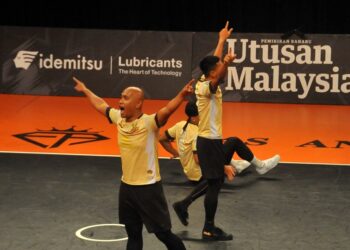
(239, 165)
(268, 164)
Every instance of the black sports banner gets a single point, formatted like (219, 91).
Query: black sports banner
(41, 61)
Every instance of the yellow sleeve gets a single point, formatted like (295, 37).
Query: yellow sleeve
(113, 115)
(194, 144)
(172, 132)
(152, 121)
(203, 88)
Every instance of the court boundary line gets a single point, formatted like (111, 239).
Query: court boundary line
(80, 230)
(160, 157)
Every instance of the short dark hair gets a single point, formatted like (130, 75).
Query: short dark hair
(191, 109)
(208, 63)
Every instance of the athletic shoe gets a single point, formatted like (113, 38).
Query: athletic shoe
(181, 212)
(268, 164)
(216, 234)
(239, 165)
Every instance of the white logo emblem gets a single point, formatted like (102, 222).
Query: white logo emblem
(24, 58)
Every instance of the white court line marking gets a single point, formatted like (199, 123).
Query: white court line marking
(162, 157)
(79, 231)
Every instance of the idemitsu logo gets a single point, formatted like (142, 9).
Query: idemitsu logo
(24, 58)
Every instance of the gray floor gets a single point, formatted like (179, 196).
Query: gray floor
(45, 199)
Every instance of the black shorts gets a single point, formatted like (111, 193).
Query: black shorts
(144, 204)
(211, 157)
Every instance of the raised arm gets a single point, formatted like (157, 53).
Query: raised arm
(223, 35)
(229, 57)
(222, 69)
(97, 102)
(164, 113)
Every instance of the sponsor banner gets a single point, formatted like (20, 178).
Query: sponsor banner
(314, 69)
(41, 61)
(38, 61)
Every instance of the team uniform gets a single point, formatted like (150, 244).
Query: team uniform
(210, 152)
(141, 197)
(209, 141)
(186, 141)
(185, 134)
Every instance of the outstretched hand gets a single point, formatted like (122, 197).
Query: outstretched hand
(188, 89)
(79, 86)
(225, 32)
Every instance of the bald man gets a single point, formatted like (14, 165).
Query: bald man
(141, 195)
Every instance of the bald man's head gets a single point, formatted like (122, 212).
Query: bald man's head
(138, 92)
(131, 102)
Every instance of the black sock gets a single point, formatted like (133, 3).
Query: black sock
(209, 225)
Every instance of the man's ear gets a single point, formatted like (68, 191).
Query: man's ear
(212, 74)
(139, 105)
